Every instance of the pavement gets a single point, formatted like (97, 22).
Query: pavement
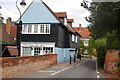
(67, 64)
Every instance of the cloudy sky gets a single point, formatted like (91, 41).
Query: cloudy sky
(72, 7)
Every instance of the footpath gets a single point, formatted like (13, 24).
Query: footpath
(67, 64)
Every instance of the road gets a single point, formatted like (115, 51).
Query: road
(85, 69)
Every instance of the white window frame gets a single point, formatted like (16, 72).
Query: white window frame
(86, 42)
(46, 29)
(76, 39)
(36, 28)
(73, 39)
(29, 28)
(41, 45)
(26, 51)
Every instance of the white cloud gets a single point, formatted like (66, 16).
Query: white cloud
(72, 7)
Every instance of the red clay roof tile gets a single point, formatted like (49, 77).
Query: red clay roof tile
(70, 20)
(84, 32)
(13, 50)
(60, 14)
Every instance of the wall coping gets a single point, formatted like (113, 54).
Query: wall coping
(25, 56)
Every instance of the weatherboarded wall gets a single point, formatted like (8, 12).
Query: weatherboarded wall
(112, 56)
(18, 66)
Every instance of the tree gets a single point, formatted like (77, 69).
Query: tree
(104, 18)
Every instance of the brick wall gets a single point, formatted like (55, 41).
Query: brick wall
(18, 66)
(109, 65)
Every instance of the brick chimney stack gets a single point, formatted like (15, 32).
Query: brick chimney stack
(8, 24)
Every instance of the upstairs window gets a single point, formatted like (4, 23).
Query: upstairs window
(41, 28)
(36, 29)
(29, 28)
(24, 29)
(47, 29)
(74, 38)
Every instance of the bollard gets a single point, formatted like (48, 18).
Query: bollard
(70, 59)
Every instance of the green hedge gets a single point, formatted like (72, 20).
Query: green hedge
(113, 40)
(101, 48)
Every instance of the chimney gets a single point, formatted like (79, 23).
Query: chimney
(70, 21)
(8, 24)
(79, 27)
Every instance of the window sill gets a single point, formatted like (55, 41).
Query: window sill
(35, 33)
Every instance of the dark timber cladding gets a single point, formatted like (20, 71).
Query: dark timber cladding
(42, 14)
(58, 34)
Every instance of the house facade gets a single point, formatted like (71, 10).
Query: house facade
(43, 32)
(85, 36)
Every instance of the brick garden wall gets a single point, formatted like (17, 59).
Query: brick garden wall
(110, 62)
(18, 66)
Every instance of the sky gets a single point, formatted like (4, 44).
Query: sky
(72, 7)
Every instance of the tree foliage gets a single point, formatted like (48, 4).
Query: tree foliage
(104, 17)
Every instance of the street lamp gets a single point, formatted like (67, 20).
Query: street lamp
(19, 26)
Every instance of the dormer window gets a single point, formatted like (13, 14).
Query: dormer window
(36, 29)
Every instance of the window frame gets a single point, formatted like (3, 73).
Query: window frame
(26, 51)
(46, 28)
(74, 38)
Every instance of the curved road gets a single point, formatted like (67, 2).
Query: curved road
(85, 69)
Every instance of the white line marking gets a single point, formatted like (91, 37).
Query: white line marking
(58, 67)
(66, 68)
(98, 76)
(60, 71)
(97, 72)
(78, 64)
(47, 71)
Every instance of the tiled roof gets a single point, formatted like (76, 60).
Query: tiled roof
(12, 50)
(70, 20)
(84, 32)
(61, 14)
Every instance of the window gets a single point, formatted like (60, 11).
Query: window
(47, 50)
(24, 28)
(73, 38)
(26, 51)
(29, 28)
(37, 29)
(86, 43)
(37, 50)
(42, 29)
(76, 39)
(47, 29)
